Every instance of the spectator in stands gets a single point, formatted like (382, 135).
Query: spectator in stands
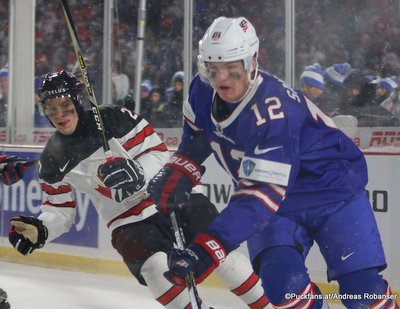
(360, 102)
(312, 82)
(120, 88)
(173, 109)
(333, 94)
(4, 95)
(145, 88)
(387, 95)
(153, 108)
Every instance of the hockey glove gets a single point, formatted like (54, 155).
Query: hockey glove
(201, 257)
(12, 169)
(172, 185)
(121, 173)
(27, 234)
(4, 304)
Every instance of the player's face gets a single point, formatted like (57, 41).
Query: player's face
(229, 79)
(62, 113)
(311, 92)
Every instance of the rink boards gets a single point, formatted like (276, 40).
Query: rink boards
(87, 246)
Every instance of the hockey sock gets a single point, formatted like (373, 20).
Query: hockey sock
(286, 281)
(366, 289)
(167, 294)
(237, 273)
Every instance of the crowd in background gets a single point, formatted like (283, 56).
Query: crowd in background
(362, 33)
(365, 99)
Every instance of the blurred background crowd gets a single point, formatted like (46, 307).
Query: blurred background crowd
(353, 43)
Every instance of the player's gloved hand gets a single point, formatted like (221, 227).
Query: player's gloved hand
(201, 257)
(120, 173)
(27, 234)
(172, 185)
(12, 169)
(4, 304)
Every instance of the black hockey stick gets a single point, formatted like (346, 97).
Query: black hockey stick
(190, 282)
(85, 75)
(31, 163)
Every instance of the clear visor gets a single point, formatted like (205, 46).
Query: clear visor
(224, 70)
(63, 107)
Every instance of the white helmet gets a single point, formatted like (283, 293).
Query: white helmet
(226, 40)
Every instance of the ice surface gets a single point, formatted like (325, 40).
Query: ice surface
(31, 287)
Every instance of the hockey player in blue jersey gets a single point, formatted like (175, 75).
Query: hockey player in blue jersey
(298, 179)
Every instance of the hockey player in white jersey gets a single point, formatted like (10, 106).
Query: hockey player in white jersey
(74, 159)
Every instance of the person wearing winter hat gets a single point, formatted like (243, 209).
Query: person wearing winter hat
(387, 95)
(360, 102)
(312, 81)
(386, 86)
(333, 95)
(337, 73)
(173, 108)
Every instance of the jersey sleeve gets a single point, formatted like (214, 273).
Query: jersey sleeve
(140, 141)
(58, 209)
(195, 144)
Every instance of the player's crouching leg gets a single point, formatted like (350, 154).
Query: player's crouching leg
(286, 281)
(371, 290)
(169, 295)
(237, 273)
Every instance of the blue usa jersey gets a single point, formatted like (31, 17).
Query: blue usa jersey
(281, 151)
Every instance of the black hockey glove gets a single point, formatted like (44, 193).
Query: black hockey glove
(4, 304)
(201, 257)
(172, 185)
(27, 234)
(12, 169)
(124, 175)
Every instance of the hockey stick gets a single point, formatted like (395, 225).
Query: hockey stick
(85, 76)
(190, 282)
(24, 163)
(31, 163)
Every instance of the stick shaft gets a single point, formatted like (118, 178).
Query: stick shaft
(190, 282)
(85, 75)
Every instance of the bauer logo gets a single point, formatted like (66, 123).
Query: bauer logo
(248, 167)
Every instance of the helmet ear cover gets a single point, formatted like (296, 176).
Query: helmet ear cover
(228, 40)
(60, 84)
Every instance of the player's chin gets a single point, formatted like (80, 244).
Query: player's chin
(228, 96)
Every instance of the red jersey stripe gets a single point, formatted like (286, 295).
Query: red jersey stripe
(54, 191)
(71, 204)
(160, 147)
(134, 211)
(138, 138)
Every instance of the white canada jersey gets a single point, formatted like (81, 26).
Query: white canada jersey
(72, 162)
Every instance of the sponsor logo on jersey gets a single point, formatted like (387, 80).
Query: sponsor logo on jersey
(248, 167)
(265, 171)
